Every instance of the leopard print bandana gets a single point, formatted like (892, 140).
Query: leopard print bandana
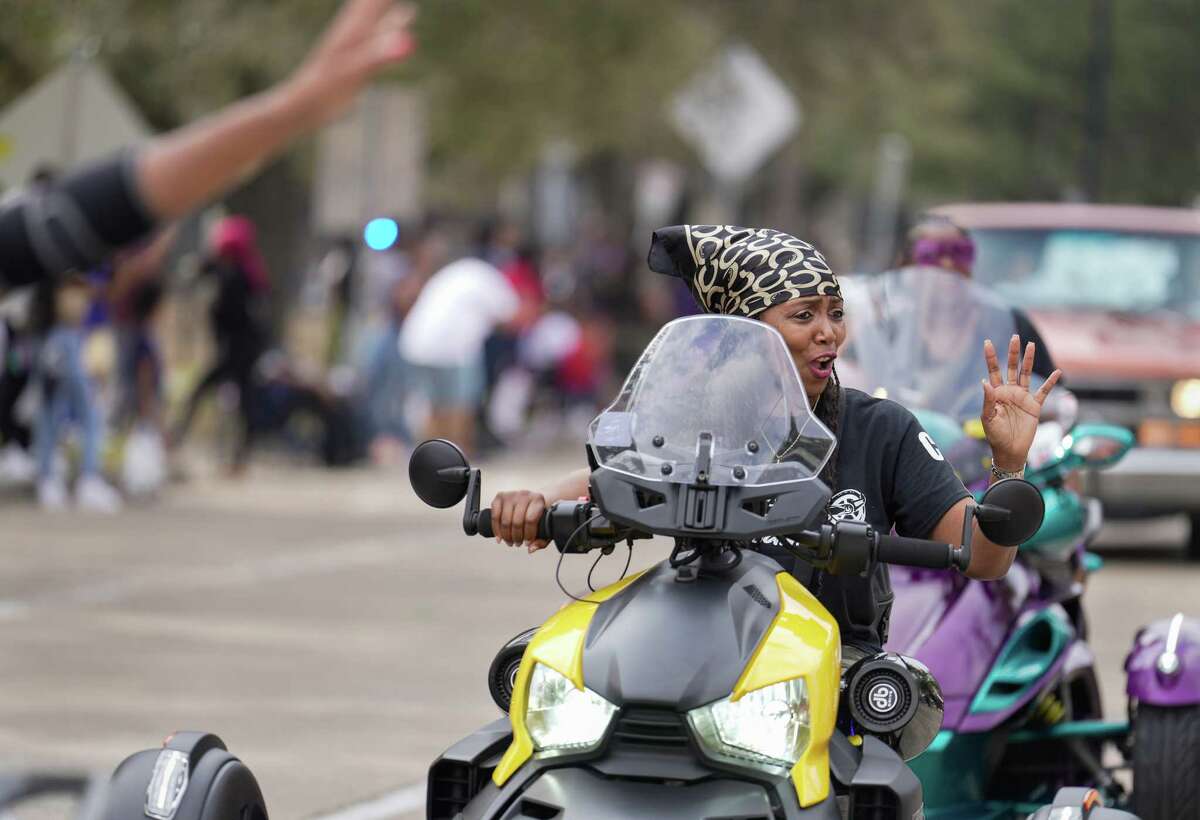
(741, 271)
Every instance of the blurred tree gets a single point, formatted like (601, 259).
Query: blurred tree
(993, 95)
(1018, 80)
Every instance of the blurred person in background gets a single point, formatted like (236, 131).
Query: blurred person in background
(516, 260)
(312, 412)
(937, 241)
(80, 220)
(442, 343)
(142, 411)
(20, 332)
(18, 355)
(498, 241)
(239, 326)
(566, 352)
(135, 298)
(509, 377)
(386, 380)
(68, 398)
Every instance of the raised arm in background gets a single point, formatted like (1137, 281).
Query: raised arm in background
(93, 211)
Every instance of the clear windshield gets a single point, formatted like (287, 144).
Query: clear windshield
(1107, 270)
(915, 335)
(728, 377)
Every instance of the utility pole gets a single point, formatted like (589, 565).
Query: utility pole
(1095, 118)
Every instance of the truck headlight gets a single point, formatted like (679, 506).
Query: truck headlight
(769, 726)
(1185, 398)
(561, 718)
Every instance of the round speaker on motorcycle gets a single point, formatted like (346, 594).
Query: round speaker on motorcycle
(502, 674)
(896, 697)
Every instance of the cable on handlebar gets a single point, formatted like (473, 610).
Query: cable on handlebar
(596, 563)
(563, 551)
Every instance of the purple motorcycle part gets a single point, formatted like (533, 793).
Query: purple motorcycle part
(959, 638)
(987, 721)
(1163, 668)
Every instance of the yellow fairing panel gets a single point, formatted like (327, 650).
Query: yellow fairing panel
(802, 642)
(559, 645)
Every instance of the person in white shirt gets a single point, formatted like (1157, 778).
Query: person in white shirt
(442, 342)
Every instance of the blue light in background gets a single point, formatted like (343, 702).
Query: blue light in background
(380, 234)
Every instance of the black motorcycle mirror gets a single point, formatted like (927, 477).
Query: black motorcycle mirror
(441, 477)
(439, 473)
(1010, 512)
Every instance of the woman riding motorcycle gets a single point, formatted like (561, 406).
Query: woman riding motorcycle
(886, 470)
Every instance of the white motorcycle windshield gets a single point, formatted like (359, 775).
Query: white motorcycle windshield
(915, 335)
(730, 378)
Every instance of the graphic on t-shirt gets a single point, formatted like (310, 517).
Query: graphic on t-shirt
(848, 505)
(931, 448)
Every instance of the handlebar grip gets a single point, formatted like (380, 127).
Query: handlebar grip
(914, 552)
(484, 524)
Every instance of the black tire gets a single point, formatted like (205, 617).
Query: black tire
(1193, 542)
(1166, 758)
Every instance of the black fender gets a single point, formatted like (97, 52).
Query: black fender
(217, 786)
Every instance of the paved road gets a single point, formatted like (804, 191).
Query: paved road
(331, 629)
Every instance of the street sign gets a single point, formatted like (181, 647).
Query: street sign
(736, 114)
(371, 163)
(73, 115)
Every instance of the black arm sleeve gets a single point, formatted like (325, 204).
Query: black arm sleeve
(75, 223)
(1043, 364)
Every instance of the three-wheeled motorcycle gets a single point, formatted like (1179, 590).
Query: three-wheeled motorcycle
(710, 685)
(1023, 710)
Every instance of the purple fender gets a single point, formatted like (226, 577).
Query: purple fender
(1163, 668)
(955, 627)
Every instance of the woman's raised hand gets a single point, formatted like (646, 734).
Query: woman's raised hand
(1010, 411)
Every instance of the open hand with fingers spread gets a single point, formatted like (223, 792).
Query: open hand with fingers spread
(1010, 411)
(366, 37)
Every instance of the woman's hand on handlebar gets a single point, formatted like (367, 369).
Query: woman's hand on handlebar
(515, 517)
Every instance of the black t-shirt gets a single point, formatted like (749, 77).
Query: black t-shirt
(890, 474)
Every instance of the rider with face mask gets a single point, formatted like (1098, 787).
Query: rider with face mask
(886, 470)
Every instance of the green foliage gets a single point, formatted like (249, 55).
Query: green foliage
(992, 94)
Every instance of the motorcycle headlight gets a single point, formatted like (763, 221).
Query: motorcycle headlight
(561, 718)
(769, 726)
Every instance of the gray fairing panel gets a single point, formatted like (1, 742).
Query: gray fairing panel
(680, 645)
(793, 506)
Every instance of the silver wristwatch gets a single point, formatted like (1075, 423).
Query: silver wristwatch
(1000, 475)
